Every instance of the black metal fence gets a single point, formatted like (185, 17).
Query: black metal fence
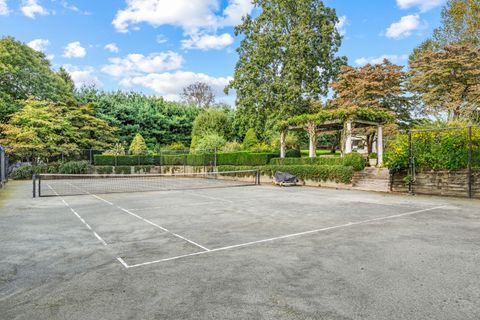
(3, 167)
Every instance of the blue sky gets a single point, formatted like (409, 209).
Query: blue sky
(160, 46)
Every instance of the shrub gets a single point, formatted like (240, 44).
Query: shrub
(328, 161)
(123, 170)
(339, 174)
(354, 160)
(138, 145)
(26, 172)
(74, 167)
(209, 141)
(244, 158)
(293, 153)
(116, 150)
(177, 146)
(250, 139)
(104, 170)
(232, 147)
(373, 155)
(434, 150)
(260, 147)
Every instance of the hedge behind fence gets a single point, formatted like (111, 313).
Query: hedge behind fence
(227, 158)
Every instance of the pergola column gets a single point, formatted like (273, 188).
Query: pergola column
(282, 144)
(348, 138)
(379, 145)
(312, 138)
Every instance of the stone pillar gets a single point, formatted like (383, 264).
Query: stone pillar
(380, 145)
(348, 138)
(282, 144)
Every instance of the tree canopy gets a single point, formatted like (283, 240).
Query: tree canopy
(286, 58)
(198, 94)
(26, 73)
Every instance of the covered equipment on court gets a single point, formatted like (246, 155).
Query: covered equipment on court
(285, 179)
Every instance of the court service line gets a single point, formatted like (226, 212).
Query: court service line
(78, 216)
(153, 224)
(350, 224)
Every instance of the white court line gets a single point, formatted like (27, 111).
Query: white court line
(170, 206)
(287, 236)
(208, 197)
(153, 224)
(78, 216)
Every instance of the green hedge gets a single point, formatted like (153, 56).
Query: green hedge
(244, 158)
(354, 160)
(155, 160)
(340, 174)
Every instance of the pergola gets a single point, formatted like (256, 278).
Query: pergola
(328, 121)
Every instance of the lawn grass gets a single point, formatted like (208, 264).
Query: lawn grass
(320, 153)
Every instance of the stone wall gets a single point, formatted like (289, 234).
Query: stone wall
(440, 183)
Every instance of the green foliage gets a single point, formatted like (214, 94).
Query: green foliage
(104, 170)
(26, 73)
(122, 170)
(232, 147)
(177, 146)
(40, 129)
(286, 58)
(212, 120)
(117, 150)
(353, 160)
(138, 146)
(250, 139)
(244, 158)
(26, 172)
(434, 150)
(160, 122)
(209, 142)
(293, 153)
(339, 174)
(373, 155)
(260, 147)
(75, 167)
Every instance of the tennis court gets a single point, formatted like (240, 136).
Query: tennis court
(242, 251)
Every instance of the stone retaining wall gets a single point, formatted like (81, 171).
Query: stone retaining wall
(439, 183)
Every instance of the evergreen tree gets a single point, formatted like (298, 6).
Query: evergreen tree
(138, 146)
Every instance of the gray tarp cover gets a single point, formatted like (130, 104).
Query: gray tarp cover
(284, 177)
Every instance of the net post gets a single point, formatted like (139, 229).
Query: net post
(257, 179)
(39, 185)
(34, 187)
(470, 156)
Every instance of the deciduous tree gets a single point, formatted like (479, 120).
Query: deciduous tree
(198, 94)
(286, 58)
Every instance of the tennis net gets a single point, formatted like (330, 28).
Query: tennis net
(45, 185)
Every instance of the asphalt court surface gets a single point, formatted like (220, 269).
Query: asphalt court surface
(246, 252)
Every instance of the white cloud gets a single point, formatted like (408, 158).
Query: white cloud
(112, 47)
(74, 50)
(4, 11)
(39, 44)
(377, 60)
(170, 85)
(84, 76)
(134, 64)
(73, 8)
(187, 14)
(161, 38)
(342, 23)
(205, 42)
(31, 7)
(404, 27)
(424, 5)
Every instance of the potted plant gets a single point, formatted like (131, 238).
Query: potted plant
(373, 159)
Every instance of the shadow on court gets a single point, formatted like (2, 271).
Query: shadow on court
(252, 252)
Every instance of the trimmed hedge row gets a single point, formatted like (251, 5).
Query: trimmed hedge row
(70, 167)
(227, 158)
(339, 174)
(354, 160)
(244, 158)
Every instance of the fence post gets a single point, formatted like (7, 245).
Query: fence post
(34, 179)
(410, 161)
(215, 160)
(91, 156)
(470, 155)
